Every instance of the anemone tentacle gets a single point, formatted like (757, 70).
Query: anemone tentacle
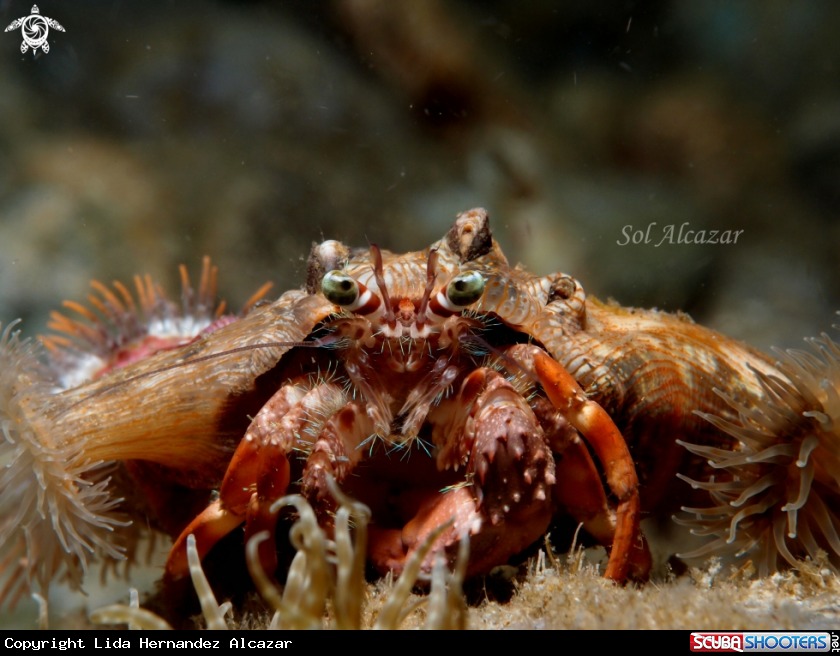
(56, 514)
(777, 497)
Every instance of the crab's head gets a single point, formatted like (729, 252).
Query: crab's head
(433, 296)
(421, 297)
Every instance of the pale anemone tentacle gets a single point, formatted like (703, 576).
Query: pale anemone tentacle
(54, 503)
(136, 618)
(213, 613)
(785, 466)
(337, 570)
(350, 559)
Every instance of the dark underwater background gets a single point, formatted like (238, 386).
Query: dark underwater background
(154, 133)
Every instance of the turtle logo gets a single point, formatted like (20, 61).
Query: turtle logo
(35, 29)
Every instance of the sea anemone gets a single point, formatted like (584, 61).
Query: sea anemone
(56, 512)
(326, 580)
(778, 495)
(125, 331)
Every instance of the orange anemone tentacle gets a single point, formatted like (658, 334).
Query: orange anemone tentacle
(257, 296)
(109, 296)
(127, 297)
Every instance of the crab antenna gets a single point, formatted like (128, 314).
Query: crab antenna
(323, 342)
(388, 315)
(430, 284)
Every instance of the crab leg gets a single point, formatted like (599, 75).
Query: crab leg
(209, 527)
(580, 492)
(258, 474)
(336, 452)
(592, 421)
(271, 484)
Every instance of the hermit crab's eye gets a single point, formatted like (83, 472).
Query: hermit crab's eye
(339, 288)
(465, 289)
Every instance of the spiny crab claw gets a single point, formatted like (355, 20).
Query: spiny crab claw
(507, 451)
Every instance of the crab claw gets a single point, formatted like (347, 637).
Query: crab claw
(272, 482)
(209, 527)
(503, 503)
(238, 502)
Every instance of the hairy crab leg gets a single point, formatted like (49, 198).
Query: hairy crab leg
(336, 451)
(259, 472)
(253, 481)
(592, 421)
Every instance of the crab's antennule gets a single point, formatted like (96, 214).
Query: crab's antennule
(431, 276)
(378, 273)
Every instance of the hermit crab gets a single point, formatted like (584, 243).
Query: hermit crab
(439, 387)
